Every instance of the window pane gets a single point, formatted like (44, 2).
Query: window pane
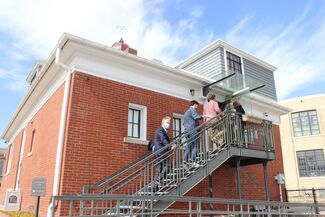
(305, 123)
(178, 124)
(129, 130)
(136, 131)
(298, 134)
(312, 112)
(136, 117)
(130, 116)
(311, 163)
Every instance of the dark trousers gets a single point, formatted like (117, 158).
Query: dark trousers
(162, 168)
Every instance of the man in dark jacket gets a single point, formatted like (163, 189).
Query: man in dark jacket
(160, 141)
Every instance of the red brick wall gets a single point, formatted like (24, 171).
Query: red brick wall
(41, 162)
(97, 124)
(94, 147)
(9, 180)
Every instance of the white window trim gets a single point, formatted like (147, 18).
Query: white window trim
(304, 136)
(180, 116)
(143, 125)
(9, 159)
(297, 166)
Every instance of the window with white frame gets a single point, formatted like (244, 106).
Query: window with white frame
(10, 151)
(233, 62)
(177, 125)
(305, 123)
(137, 121)
(311, 163)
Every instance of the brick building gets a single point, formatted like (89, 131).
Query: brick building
(91, 109)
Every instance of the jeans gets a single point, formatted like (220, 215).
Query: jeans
(192, 146)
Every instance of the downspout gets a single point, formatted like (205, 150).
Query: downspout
(22, 147)
(58, 160)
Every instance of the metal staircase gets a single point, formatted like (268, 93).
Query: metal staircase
(231, 138)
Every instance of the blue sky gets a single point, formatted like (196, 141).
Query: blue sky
(288, 34)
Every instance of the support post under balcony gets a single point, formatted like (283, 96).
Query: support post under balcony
(266, 181)
(238, 179)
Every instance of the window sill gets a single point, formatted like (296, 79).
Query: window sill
(30, 154)
(135, 141)
(314, 177)
(303, 137)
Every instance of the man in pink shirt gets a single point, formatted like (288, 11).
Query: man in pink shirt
(211, 109)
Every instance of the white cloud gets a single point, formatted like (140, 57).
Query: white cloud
(14, 80)
(297, 48)
(35, 26)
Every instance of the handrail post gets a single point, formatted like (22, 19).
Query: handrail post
(207, 143)
(266, 181)
(81, 207)
(315, 201)
(53, 206)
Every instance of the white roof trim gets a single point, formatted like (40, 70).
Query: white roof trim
(301, 97)
(220, 43)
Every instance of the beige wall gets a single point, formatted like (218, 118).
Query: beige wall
(291, 144)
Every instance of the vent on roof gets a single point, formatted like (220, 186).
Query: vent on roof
(35, 72)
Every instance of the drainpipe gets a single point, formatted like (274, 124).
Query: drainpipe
(64, 110)
(22, 147)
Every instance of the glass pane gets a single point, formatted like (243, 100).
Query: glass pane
(306, 132)
(298, 133)
(130, 116)
(312, 112)
(129, 130)
(136, 131)
(136, 116)
(311, 163)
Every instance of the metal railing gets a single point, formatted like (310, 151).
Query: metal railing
(312, 195)
(220, 132)
(114, 205)
(140, 177)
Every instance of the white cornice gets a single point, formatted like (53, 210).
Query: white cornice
(220, 43)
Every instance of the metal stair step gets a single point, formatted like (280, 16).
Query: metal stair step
(120, 214)
(152, 193)
(132, 207)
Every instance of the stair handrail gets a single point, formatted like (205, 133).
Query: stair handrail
(233, 135)
(115, 174)
(148, 156)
